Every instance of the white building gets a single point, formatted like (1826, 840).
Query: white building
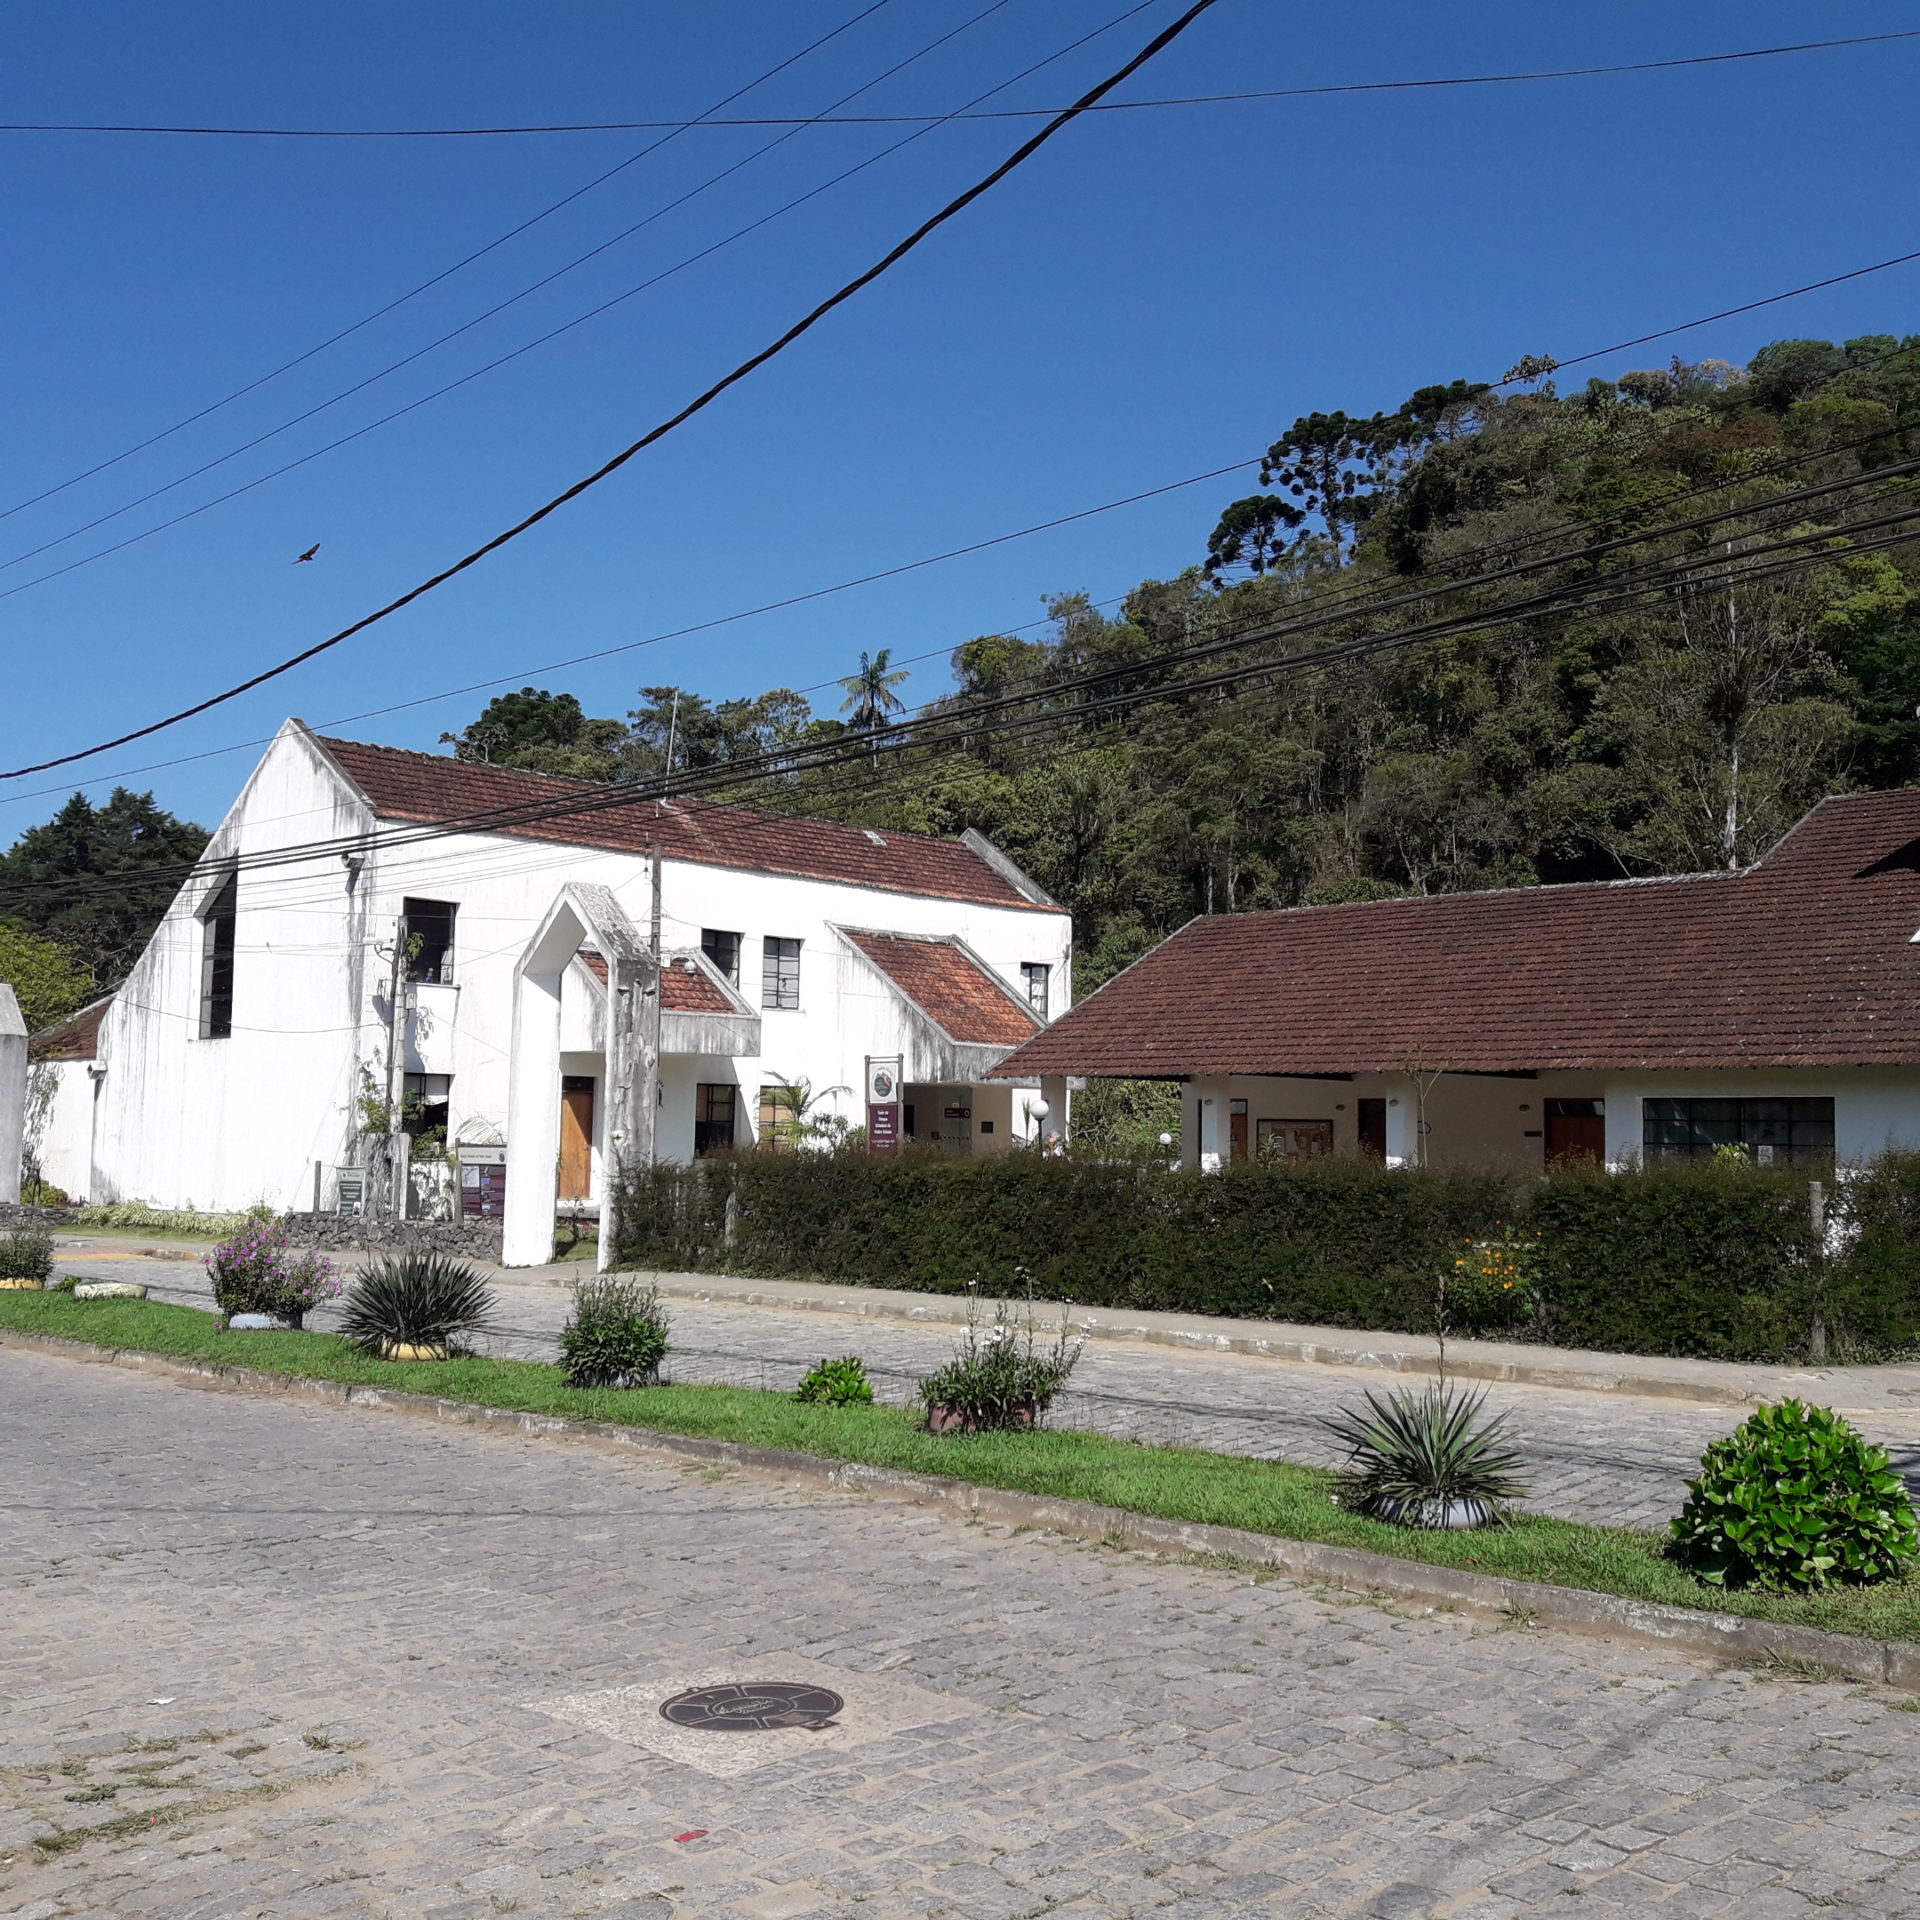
(246, 1057)
(1775, 1009)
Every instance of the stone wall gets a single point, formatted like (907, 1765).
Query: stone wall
(13, 1215)
(470, 1239)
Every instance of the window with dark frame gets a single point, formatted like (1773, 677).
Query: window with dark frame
(779, 972)
(1036, 976)
(723, 949)
(427, 927)
(1774, 1132)
(218, 920)
(715, 1108)
(425, 1099)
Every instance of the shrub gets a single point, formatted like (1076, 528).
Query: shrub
(422, 1300)
(616, 1335)
(131, 1216)
(1428, 1459)
(1001, 1379)
(25, 1255)
(837, 1383)
(1492, 1285)
(1795, 1498)
(258, 1271)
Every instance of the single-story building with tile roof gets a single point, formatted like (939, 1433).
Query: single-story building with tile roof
(1775, 1008)
(375, 936)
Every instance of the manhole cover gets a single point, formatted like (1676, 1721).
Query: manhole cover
(752, 1706)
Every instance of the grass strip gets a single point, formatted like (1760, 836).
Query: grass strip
(1176, 1483)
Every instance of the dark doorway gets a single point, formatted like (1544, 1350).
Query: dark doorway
(714, 1108)
(1373, 1129)
(1236, 1131)
(1576, 1133)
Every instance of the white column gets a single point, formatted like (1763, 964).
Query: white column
(13, 1093)
(1059, 1120)
(1216, 1146)
(533, 1122)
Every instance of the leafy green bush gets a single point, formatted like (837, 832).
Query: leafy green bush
(999, 1380)
(25, 1255)
(257, 1270)
(616, 1335)
(420, 1300)
(1794, 1498)
(1428, 1459)
(837, 1383)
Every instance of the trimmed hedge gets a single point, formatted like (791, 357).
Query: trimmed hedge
(1706, 1260)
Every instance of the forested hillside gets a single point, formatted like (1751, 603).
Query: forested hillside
(1667, 614)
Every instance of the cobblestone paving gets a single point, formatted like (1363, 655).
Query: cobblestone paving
(312, 1644)
(1614, 1458)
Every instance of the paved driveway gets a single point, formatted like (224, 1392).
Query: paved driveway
(1616, 1458)
(301, 1661)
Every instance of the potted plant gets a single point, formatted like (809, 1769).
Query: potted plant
(1428, 1459)
(417, 1306)
(261, 1281)
(999, 1381)
(616, 1335)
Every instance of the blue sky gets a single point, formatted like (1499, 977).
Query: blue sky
(1157, 294)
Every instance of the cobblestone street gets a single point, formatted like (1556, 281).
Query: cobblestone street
(290, 1661)
(1617, 1458)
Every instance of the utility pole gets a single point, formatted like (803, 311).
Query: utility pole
(396, 1198)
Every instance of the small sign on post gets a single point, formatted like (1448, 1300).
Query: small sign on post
(883, 1102)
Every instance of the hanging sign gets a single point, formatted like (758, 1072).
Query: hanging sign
(883, 1102)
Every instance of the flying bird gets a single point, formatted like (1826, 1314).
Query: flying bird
(308, 555)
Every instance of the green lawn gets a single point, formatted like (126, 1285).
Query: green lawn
(1173, 1482)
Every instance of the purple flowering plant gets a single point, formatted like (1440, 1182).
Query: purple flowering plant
(258, 1271)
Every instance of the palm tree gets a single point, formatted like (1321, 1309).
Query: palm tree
(797, 1119)
(870, 691)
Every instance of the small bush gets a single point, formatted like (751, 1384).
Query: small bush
(1794, 1498)
(616, 1335)
(420, 1300)
(1428, 1459)
(258, 1271)
(25, 1255)
(1492, 1285)
(999, 1380)
(837, 1383)
(43, 1193)
(132, 1217)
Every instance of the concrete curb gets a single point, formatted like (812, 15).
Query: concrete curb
(1717, 1636)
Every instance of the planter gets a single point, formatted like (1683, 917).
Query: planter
(1436, 1510)
(942, 1418)
(20, 1284)
(260, 1323)
(407, 1350)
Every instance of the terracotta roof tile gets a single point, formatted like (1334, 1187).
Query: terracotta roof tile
(1803, 960)
(952, 989)
(686, 988)
(431, 787)
(75, 1038)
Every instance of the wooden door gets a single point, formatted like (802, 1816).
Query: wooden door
(1372, 1115)
(576, 1136)
(1576, 1133)
(1236, 1131)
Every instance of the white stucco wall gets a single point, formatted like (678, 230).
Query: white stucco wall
(227, 1122)
(60, 1124)
(1874, 1108)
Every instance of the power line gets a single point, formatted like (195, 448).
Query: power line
(515, 353)
(805, 324)
(984, 717)
(1008, 113)
(480, 253)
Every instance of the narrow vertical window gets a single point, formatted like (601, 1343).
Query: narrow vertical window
(1037, 977)
(714, 1107)
(723, 949)
(217, 920)
(429, 938)
(779, 973)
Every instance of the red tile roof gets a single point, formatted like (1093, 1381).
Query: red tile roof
(684, 989)
(75, 1038)
(431, 787)
(1804, 960)
(952, 989)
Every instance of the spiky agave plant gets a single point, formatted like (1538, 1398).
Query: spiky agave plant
(425, 1301)
(1428, 1459)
